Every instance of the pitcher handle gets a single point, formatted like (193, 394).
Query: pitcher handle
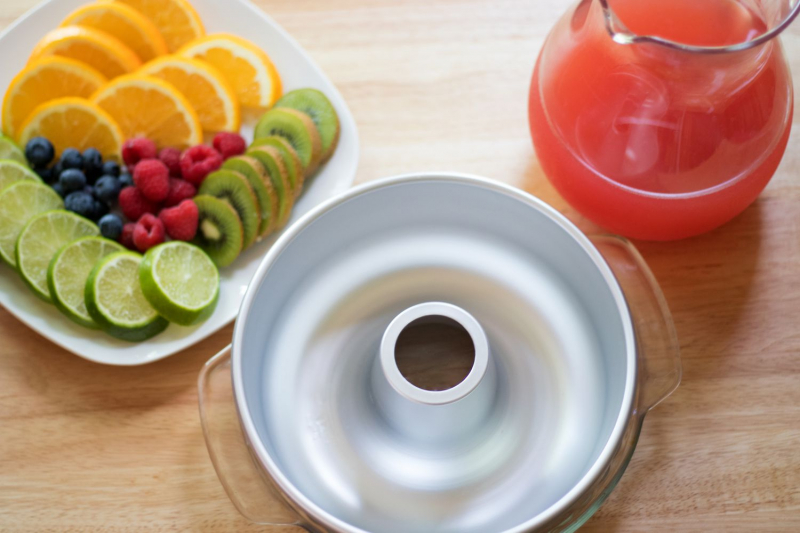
(658, 351)
(241, 477)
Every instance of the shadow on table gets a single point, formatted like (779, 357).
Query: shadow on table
(707, 281)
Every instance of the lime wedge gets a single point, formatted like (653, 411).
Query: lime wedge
(69, 270)
(10, 150)
(39, 241)
(19, 203)
(11, 172)
(180, 281)
(115, 301)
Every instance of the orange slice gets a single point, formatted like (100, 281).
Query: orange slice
(46, 79)
(132, 28)
(246, 67)
(97, 49)
(206, 89)
(177, 20)
(73, 122)
(149, 107)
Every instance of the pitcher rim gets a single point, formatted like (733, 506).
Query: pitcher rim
(620, 33)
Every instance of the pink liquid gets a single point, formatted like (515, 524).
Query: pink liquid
(655, 143)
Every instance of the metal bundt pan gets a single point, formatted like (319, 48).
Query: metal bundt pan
(573, 343)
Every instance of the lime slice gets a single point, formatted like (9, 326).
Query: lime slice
(10, 150)
(69, 270)
(180, 281)
(19, 203)
(11, 172)
(39, 241)
(115, 301)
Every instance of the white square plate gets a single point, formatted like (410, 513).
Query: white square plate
(297, 70)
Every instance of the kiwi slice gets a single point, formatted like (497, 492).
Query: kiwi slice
(273, 163)
(297, 128)
(259, 180)
(236, 190)
(317, 106)
(219, 229)
(294, 167)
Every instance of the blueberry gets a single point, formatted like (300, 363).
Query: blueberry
(71, 158)
(125, 180)
(39, 152)
(99, 210)
(92, 164)
(89, 190)
(59, 189)
(111, 227)
(107, 189)
(57, 170)
(111, 168)
(72, 179)
(81, 203)
(45, 173)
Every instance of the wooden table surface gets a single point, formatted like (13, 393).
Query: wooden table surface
(442, 84)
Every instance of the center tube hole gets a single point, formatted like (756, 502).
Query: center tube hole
(434, 353)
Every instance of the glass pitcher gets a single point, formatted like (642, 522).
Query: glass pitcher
(663, 119)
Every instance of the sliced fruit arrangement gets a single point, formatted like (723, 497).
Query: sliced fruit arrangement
(19, 203)
(68, 271)
(98, 49)
(39, 241)
(294, 167)
(12, 172)
(10, 150)
(257, 176)
(299, 131)
(220, 232)
(112, 109)
(317, 106)
(247, 68)
(204, 87)
(129, 26)
(234, 188)
(150, 107)
(180, 281)
(177, 20)
(73, 122)
(114, 299)
(114, 54)
(43, 80)
(273, 163)
(58, 246)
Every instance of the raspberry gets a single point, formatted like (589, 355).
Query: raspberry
(198, 162)
(179, 190)
(136, 149)
(151, 176)
(149, 231)
(229, 144)
(126, 239)
(172, 158)
(133, 204)
(180, 221)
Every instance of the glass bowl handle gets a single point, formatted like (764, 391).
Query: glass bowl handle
(658, 351)
(241, 477)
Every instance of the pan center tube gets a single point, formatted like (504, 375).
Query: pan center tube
(426, 416)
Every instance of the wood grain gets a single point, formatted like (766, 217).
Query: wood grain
(442, 85)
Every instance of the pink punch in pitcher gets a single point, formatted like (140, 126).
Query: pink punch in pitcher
(663, 119)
